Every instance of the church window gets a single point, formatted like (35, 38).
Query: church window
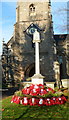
(32, 8)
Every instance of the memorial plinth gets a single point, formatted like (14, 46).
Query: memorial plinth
(37, 78)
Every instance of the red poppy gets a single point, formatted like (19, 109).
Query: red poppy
(25, 101)
(41, 102)
(35, 92)
(16, 99)
(41, 86)
(59, 100)
(54, 100)
(31, 86)
(26, 91)
(33, 101)
(50, 89)
(64, 98)
(12, 100)
(48, 102)
(43, 92)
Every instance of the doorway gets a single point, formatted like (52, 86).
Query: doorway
(30, 70)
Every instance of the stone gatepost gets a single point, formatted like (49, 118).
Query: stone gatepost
(57, 73)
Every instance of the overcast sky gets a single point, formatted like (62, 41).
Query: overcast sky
(8, 18)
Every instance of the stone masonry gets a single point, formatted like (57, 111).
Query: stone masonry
(39, 14)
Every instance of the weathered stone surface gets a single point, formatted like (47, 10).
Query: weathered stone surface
(42, 18)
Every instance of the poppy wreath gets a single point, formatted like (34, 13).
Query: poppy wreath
(35, 90)
(15, 99)
(38, 95)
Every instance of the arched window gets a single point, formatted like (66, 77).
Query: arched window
(32, 8)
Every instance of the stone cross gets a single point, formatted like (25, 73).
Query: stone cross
(36, 40)
(37, 78)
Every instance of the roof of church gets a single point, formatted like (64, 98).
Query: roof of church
(60, 37)
(11, 40)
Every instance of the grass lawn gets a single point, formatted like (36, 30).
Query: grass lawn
(12, 111)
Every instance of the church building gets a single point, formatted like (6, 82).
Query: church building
(32, 15)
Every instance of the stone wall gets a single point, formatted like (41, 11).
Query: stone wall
(41, 18)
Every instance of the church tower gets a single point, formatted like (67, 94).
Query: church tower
(31, 15)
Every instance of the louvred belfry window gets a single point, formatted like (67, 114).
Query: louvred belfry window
(32, 8)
